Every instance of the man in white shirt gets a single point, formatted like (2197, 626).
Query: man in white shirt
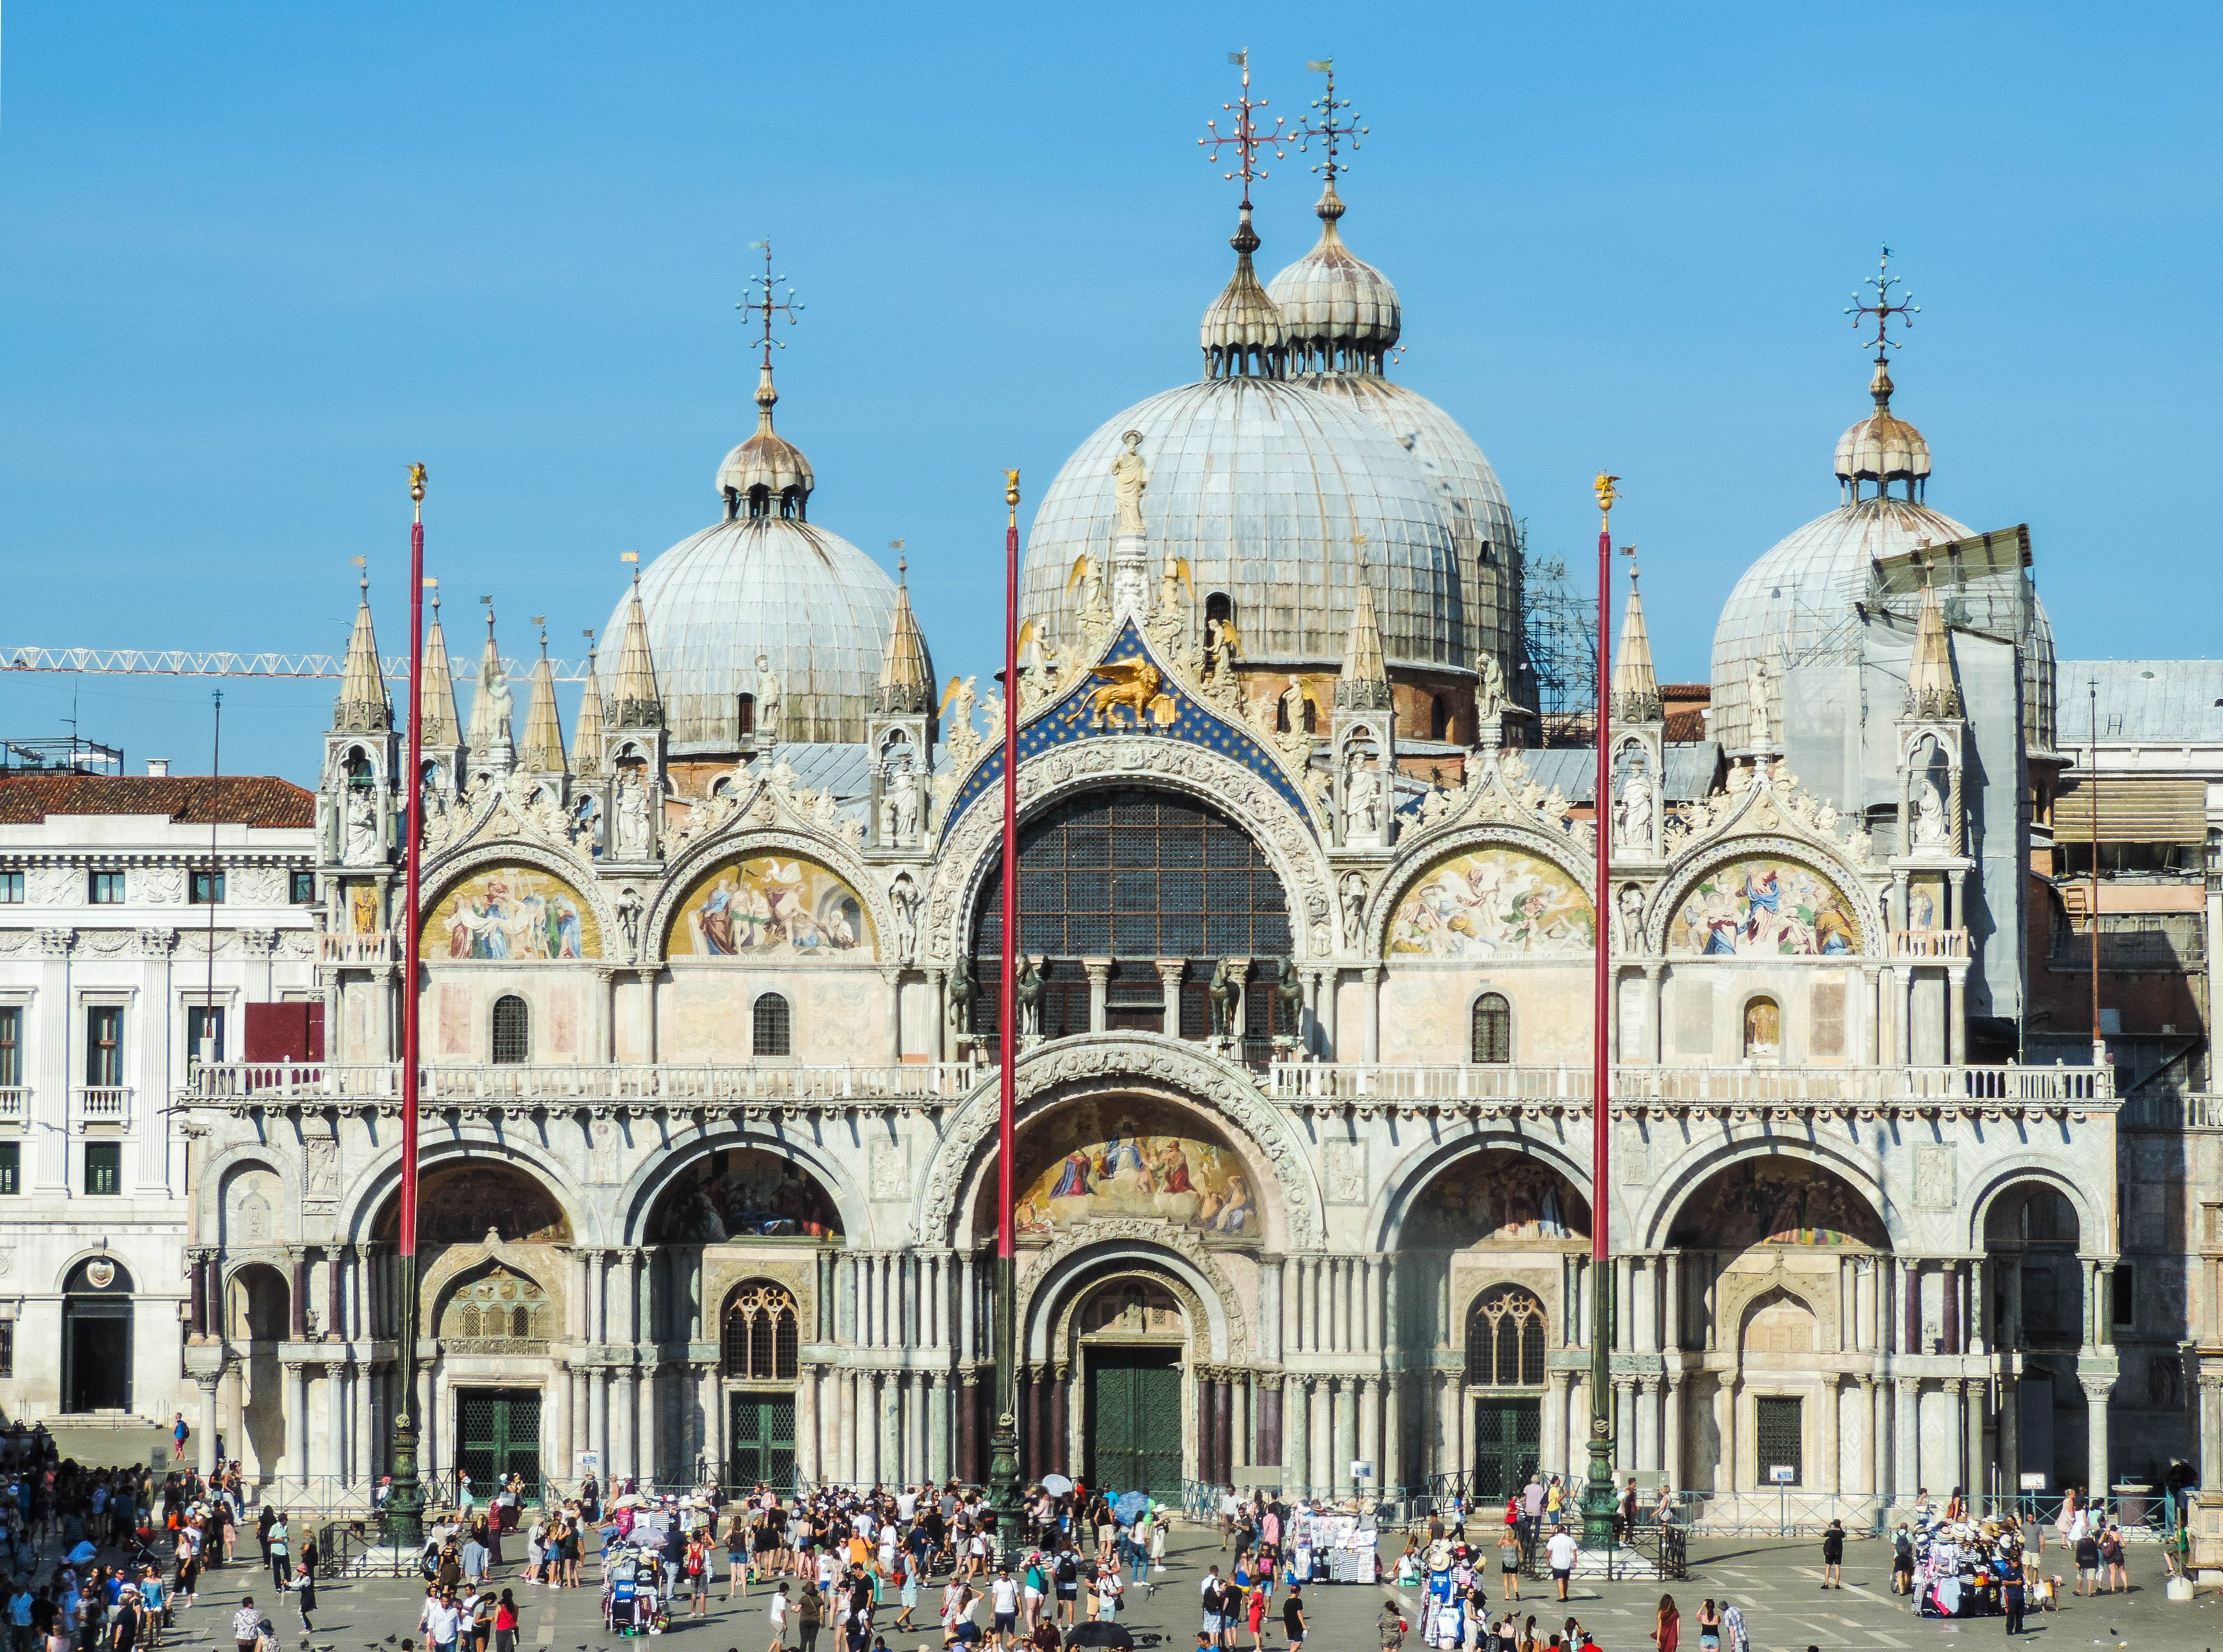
(1003, 1595)
(906, 1505)
(1229, 1506)
(1561, 1553)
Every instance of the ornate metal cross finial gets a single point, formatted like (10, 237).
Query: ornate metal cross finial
(1246, 136)
(763, 302)
(1883, 309)
(1329, 130)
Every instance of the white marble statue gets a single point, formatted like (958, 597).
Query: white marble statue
(629, 911)
(1932, 829)
(904, 897)
(1490, 693)
(1129, 476)
(1755, 705)
(1351, 894)
(1361, 799)
(1293, 705)
(361, 846)
(633, 834)
(768, 704)
(1632, 822)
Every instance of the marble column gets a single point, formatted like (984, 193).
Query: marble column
(1671, 1404)
(209, 1426)
(1726, 1480)
(938, 1429)
(1370, 1426)
(297, 1424)
(1552, 1447)
(1370, 1031)
(1297, 1431)
(1346, 1431)
(1269, 1421)
(1978, 1398)
(1907, 1419)
(1864, 1469)
(1644, 1442)
(1826, 1436)
(2096, 1390)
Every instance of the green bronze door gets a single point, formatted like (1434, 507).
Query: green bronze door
(761, 1445)
(1508, 1434)
(1134, 1424)
(498, 1435)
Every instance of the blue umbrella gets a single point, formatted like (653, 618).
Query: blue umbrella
(1130, 1504)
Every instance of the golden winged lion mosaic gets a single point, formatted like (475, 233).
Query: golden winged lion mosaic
(1129, 684)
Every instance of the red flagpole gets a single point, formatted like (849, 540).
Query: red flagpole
(1598, 1498)
(1003, 1454)
(406, 1506)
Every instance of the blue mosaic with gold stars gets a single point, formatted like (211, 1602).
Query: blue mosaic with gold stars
(1169, 714)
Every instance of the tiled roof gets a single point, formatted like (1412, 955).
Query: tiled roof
(189, 800)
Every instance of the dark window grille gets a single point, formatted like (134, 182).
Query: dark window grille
(1505, 1339)
(104, 1168)
(762, 1340)
(1493, 1030)
(512, 1031)
(768, 1029)
(1780, 1437)
(1135, 877)
(7, 1348)
(11, 1167)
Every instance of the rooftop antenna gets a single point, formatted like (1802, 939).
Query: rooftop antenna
(1329, 130)
(1883, 309)
(761, 300)
(1245, 136)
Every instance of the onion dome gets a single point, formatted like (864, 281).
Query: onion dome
(1883, 449)
(1242, 332)
(1338, 313)
(767, 475)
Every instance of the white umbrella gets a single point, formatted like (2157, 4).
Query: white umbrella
(1056, 1485)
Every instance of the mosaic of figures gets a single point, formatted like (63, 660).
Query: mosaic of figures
(743, 1193)
(771, 908)
(1098, 1159)
(1498, 1198)
(1492, 901)
(1769, 907)
(1776, 1201)
(513, 912)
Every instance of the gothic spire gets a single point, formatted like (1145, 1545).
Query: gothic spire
(635, 701)
(1931, 691)
(542, 751)
(492, 740)
(1364, 683)
(363, 707)
(1636, 686)
(906, 685)
(436, 701)
(587, 736)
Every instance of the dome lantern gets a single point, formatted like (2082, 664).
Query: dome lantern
(767, 475)
(1242, 333)
(1339, 314)
(1882, 448)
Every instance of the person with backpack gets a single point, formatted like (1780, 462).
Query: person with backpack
(1832, 1555)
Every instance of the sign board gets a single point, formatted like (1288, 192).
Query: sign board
(1781, 1474)
(591, 1462)
(2033, 1482)
(1361, 1468)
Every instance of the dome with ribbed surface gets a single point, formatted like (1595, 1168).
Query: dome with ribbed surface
(767, 475)
(1337, 310)
(1263, 486)
(1882, 448)
(817, 608)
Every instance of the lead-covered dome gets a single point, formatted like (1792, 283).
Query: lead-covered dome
(1263, 486)
(1338, 313)
(765, 582)
(1883, 449)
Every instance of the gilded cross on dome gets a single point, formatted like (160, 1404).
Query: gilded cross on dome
(1883, 309)
(1329, 130)
(763, 302)
(1246, 137)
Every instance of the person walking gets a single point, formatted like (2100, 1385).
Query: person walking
(1509, 1564)
(246, 1625)
(277, 1544)
(1710, 1626)
(1390, 1626)
(1294, 1624)
(1561, 1552)
(777, 1612)
(2087, 1563)
(1667, 1630)
(2012, 1595)
(305, 1591)
(1832, 1555)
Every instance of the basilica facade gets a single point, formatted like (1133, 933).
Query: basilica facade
(710, 995)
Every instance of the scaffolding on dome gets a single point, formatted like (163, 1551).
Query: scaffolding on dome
(1559, 635)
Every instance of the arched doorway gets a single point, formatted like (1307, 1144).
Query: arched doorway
(1506, 1333)
(1784, 1251)
(2037, 1287)
(257, 1306)
(97, 1336)
(492, 1315)
(1129, 1334)
(759, 1339)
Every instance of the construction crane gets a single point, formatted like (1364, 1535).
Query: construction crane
(202, 663)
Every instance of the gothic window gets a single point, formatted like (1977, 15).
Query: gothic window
(1493, 1031)
(1439, 719)
(1505, 1339)
(512, 1031)
(768, 1032)
(1135, 877)
(762, 1332)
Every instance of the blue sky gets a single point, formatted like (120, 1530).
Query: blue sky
(260, 257)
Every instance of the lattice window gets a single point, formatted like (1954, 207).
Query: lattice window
(1134, 876)
(1492, 1040)
(512, 1031)
(1780, 1438)
(769, 1032)
(1505, 1339)
(498, 1311)
(762, 1332)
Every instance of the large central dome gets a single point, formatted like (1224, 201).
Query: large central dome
(1266, 475)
